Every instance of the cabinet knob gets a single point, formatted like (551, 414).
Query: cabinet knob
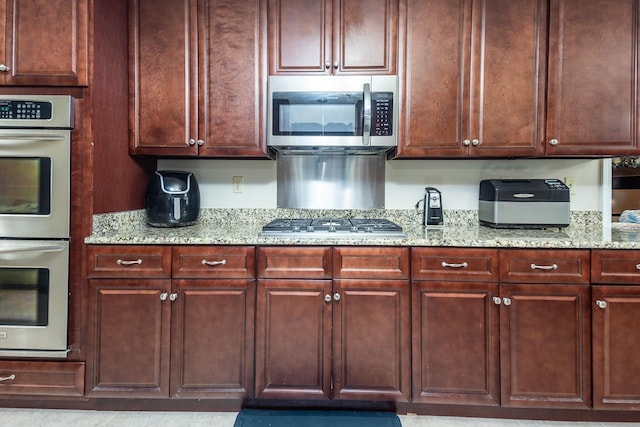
(4, 67)
(163, 296)
(327, 65)
(200, 142)
(506, 301)
(173, 296)
(553, 142)
(637, 266)
(191, 142)
(601, 304)
(475, 142)
(497, 300)
(335, 64)
(327, 298)
(466, 142)
(336, 296)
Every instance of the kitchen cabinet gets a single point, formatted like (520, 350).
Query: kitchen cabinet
(593, 81)
(455, 326)
(517, 335)
(29, 378)
(351, 334)
(186, 337)
(198, 78)
(46, 42)
(545, 345)
(333, 36)
(615, 304)
(474, 78)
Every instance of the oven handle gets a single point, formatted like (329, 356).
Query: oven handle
(25, 138)
(8, 249)
(366, 130)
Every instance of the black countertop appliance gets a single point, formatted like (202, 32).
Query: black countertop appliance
(173, 199)
(523, 203)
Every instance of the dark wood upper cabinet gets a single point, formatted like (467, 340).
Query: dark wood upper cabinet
(45, 42)
(473, 80)
(333, 36)
(593, 93)
(196, 84)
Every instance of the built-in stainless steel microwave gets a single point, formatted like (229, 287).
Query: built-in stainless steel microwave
(332, 111)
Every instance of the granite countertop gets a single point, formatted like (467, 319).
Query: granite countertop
(241, 227)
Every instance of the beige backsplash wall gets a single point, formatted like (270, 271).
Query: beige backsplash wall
(405, 180)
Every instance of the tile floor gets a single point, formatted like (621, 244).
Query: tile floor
(10, 417)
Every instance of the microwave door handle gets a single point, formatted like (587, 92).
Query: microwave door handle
(8, 249)
(366, 128)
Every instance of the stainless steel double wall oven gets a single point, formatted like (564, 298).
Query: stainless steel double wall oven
(35, 151)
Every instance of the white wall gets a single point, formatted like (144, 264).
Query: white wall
(405, 180)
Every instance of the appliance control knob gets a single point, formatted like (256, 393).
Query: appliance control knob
(353, 229)
(310, 228)
(332, 228)
(296, 228)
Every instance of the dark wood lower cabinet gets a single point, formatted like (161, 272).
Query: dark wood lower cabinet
(455, 343)
(616, 341)
(545, 345)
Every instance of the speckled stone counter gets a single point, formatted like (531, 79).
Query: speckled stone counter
(242, 226)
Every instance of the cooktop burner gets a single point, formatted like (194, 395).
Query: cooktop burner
(356, 227)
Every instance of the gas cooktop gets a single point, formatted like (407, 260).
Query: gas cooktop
(356, 227)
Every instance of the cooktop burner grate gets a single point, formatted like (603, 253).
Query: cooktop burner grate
(330, 227)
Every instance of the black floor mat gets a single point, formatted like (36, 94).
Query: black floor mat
(315, 418)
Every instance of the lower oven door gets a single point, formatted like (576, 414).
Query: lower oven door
(33, 298)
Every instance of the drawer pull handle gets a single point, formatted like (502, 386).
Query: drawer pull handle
(214, 263)
(125, 262)
(9, 378)
(544, 267)
(460, 265)
(601, 304)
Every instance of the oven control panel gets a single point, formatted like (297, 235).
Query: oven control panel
(25, 110)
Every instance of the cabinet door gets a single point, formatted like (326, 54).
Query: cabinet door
(233, 72)
(212, 338)
(508, 56)
(455, 343)
(45, 42)
(300, 36)
(163, 81)
(592, 99)
(437, 60)
(616, 366)
(129, 338)
(474, 78)
(293, 339)
(333, 36)
(371, 340)
(545, 346)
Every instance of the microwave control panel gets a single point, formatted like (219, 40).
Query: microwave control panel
(381, 114)
(25, 110)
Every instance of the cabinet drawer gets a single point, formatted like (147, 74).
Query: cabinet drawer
(371, 263)
(42, 378)
(218, 261)
(615, 266)
(129, 261)
(297, 262)
(544, 266)
(454, 264)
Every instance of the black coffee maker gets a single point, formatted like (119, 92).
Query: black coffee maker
(432, 214)
(173, 199)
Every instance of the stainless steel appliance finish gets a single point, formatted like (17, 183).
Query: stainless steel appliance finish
(332, 111)
(332, 228)
(33, 298)
(35, 144)
(523, 203)
(330, 180)
(35, 176)
(432, 214)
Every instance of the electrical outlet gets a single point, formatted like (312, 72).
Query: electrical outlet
(238, 184)
(571, 183)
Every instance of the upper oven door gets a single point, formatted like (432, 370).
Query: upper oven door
(34, 183)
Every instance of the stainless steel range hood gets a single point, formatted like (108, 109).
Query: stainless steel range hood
(331, 179)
